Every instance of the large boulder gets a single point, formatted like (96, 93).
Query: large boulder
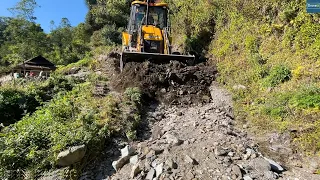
(71, 156)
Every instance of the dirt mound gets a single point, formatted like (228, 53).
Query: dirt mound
(173, 83)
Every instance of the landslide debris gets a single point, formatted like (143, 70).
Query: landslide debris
(172, 83)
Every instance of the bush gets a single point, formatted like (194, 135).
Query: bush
(70, 118)
(307, 98)
(14, 104)
(277, 75)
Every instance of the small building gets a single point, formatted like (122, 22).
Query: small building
(34, 66)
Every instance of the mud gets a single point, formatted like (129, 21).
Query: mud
(173, 83)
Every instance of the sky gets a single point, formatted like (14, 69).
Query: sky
(74, 10)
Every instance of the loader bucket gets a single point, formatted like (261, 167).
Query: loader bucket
(154, 57)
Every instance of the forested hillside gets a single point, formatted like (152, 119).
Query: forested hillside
(21, 38)
(266, 52)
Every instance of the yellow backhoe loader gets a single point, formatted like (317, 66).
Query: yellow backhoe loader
(148, 36)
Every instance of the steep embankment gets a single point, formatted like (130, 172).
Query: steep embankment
(267, 54)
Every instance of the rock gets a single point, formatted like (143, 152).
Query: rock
(220, 151)
(71, 156)
(171, 164)
(134, 160)
(179, 113)
(156, 133)
(117, 165)
(239, 87)
(246, 177)
(236, 171)
(171, 139)
(189, 175)
(151, 155)
(158, 151)
(163, 90)
(227, 161)
(135, 170)
(260, 164)
(190, 160)
(275, 166)
(249, 153)
(155, 163)
(127, 151)
(150, 174)
(231, 154)
(159, 170)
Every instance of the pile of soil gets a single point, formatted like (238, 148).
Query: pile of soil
(173, 83)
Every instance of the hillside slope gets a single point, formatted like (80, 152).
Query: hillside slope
(267, 54)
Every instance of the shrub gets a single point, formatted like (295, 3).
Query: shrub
(14, 104)
(70, 118)
(306, 98)
(277, 75)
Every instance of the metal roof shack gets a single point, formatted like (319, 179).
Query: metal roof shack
(36, 64)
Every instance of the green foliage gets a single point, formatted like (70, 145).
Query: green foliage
(257, 44)
(106, 20)
(70, 118)
(307, 98)
(22, 40)
(15, 104)
(278, 74)
(17, 101)
(24, 9)
(277, 106)
(133, 95)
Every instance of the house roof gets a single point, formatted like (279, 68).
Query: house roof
(38, 62)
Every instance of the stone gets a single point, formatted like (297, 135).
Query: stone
(135, 170)
(239, 87)
(150, 174)
(260, 164)
(156, 133)
(249, 153)
(71, 156)
(163, 90)
(158, 151)
(171, 139)
(236, 171)
(275, 166)
(134, 160)
(220, 151)
(171, 164)
(189, 175)
(150, 154)
(159, 170)
(190, 160)
(127, 151)
(179, 113)
(246, 177)
(231, 154)
(117, 165)
(155, 163)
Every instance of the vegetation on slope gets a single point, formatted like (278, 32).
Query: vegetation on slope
(71, 118)
(271, 48)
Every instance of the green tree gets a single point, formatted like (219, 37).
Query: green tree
(105, 20)
(25, 9)
(23, 40)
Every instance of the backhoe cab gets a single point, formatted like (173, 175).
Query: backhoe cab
(148, 36)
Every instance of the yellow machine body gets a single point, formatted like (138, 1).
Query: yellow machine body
(148, 35)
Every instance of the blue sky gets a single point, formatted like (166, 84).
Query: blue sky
(74, 10)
